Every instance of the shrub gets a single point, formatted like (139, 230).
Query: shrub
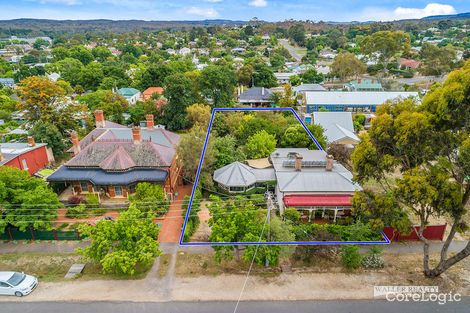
(74, 200)
(193, 219)
(292, 215)
(78, 211)
(373, 259)
(92, 201)
(350, 257)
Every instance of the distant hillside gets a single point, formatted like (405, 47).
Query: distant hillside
(452, 16)
(102, 25)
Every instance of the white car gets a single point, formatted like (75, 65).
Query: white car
(17, 284)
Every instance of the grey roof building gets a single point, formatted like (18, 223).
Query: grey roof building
(256, 96)
(238, 177)
(338, 127)
(7, 82)
(308, 87)
(113, 158)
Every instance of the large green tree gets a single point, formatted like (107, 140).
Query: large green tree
(50, 134)
(150, 199)
(121, 246)
(218, 84)
(113, 105)
(429, 144)
(260, 145)
(45, 101)
(387, 44)
(296, 137)
(179, 92)
(436, 60)
(25, 201)
(346, 65)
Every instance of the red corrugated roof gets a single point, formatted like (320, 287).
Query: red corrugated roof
(317, 200)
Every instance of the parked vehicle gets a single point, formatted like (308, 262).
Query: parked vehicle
(17, 284)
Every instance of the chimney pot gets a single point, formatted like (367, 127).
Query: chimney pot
(99, 119)
(75, 143)
(136, 135)
(150, 122)
(298, 162)
(31, 141)
(329, 162)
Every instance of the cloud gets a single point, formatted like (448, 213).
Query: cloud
(399, 13)
(205, 12)
(213, 1)
(430, 9)
(64, 2)
(258, 3)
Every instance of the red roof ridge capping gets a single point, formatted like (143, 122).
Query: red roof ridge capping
(166, 134)
(318, 200)
(119, 155)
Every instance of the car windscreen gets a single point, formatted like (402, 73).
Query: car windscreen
(16, 279)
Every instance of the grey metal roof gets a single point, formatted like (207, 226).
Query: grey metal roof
(237, 174)
(355, 97)
(308, 87)
(310, 179)
(11, 150)
(315, 181)
(337, 125)
(256, 94)
(100, 177)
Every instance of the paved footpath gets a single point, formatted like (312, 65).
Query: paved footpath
(173, 221)
(169, 247)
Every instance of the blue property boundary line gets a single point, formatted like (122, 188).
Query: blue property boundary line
(386, 240)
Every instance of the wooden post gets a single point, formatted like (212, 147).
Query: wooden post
(54, 232)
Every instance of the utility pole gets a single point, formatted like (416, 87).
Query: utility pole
(270, 206)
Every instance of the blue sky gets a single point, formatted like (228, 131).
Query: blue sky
(270, 10)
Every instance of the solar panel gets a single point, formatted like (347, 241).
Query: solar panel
(291, 163)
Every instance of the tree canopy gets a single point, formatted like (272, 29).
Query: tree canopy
(430, 146)
(121, 246)
(25, 201)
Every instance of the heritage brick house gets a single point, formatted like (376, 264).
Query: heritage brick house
(112, 159)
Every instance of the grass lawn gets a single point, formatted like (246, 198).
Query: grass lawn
(164, 263)
(50, 267)
(301, 51)
(193, 265)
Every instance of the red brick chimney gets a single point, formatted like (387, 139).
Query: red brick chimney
(99, 119)
(31, 141)
(75, 143)
(136, 135)
(298, 162)
(150, 122)
(329, 162)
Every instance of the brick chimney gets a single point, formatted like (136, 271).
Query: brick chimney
(149, 119)
(136, 135)
(31, 141)
(75, 143)
(99, 119)
(298, 162)
(329, 162)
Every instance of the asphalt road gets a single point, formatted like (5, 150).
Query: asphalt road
(349, 306)
(285, 43)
